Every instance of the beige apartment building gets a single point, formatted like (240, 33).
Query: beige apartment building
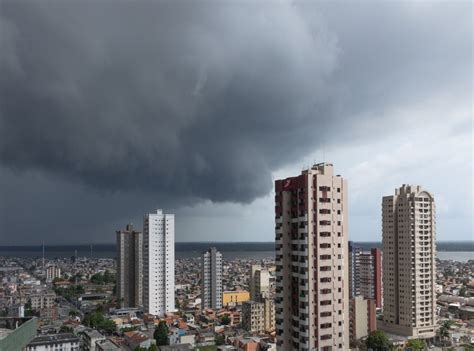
(269, 314)
(43, 300)
(259, 283)
(253, 319)
(312, 289)
(129, 267)
(409, 252)
(362, 317)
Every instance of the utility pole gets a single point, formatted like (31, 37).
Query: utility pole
(43, 256)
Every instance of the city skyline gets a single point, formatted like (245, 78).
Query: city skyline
(201, 129)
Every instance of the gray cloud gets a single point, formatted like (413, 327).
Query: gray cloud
(195, 100)
(109, 109)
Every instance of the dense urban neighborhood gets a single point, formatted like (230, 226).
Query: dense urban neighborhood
(74, 304)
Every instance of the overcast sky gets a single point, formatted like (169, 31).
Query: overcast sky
(111, 109)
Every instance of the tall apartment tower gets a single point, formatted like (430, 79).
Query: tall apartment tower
(312, 290)
(354, 270)
(365, 274)
(259, 283)
(129, 267)
(409, 251)
(158, 263)
(211, 288)
(370, 275)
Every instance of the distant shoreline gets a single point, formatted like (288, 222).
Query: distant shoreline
(451, 246)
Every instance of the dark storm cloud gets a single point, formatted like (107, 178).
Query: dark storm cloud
(193, 100)
(109, 109)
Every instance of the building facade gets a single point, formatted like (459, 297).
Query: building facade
(370, 275)
(312, 290)
(253, 316)
(211, 271)
(409, 252)
(233, 298)
(259, 283)
(89, 339)
(158, 263)
(269, 314)
(362, 317)
(365, 273)
(43, 300)
(129, 267)
(53, 272)
(63, 342)
(354, 270)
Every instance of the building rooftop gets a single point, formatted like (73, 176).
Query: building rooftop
(92, 333)
(107, 345)
(53, 338)
(5, 332)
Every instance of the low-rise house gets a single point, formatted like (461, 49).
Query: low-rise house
(189, 318)
(107, 345)
(89, 338)
(205, 339)
(136, 338)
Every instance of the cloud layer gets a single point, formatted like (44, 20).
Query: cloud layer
(193, 100)
(110, 109)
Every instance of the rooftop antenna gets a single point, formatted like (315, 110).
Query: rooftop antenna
(43, 256)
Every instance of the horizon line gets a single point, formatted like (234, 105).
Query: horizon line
(199, 242)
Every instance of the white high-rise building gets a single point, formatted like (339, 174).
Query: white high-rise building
(53, 272)
(211, 279)
(312, 287)
(158, 263)
(409, 266)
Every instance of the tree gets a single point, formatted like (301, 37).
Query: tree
(65, 329)
(73, 313)
(153, 348)
(378, 341)
(97, 320)
(161, 334)
(225, 320)
(220, 340)
(416, 344)
(464, 291)
(443, 331)
(103, 278)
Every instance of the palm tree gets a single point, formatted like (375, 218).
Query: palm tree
(443, 331)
